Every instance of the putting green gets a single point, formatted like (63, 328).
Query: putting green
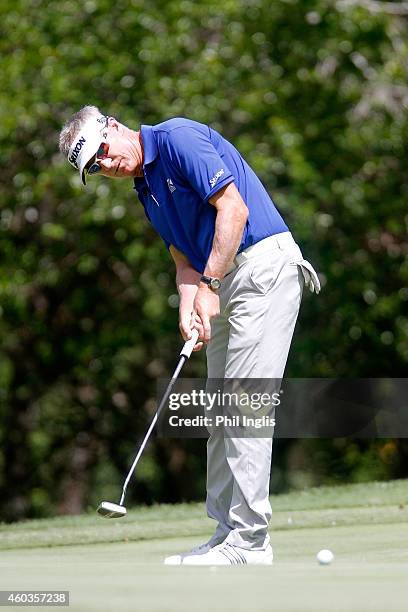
(117, 565)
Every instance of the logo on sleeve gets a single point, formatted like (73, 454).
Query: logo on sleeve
(170, 185)
(215, 178)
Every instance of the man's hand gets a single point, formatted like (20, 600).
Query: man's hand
(188, 319)
(206, 306)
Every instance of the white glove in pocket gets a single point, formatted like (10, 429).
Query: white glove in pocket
(309, 274)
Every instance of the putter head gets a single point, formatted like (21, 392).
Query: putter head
(110, 510)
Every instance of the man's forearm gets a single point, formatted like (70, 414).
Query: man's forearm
(187, 278)
(187, 281)
(232, 214)
(229, 226)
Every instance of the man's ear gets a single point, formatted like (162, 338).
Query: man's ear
(113, 123)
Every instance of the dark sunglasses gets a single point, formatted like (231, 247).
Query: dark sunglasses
(101, 153)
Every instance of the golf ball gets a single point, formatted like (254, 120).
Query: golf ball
(325, 557)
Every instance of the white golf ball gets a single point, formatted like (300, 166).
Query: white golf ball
(325, 557)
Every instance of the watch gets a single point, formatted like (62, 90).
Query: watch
(213, 283)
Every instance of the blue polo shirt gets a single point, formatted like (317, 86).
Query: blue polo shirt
(185, 164)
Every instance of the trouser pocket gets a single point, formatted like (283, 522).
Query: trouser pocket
(264, 269)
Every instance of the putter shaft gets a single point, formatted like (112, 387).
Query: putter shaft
(184, 356)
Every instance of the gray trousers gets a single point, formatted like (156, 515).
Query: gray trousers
(259, 305)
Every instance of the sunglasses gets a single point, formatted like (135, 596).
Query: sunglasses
(101, 153)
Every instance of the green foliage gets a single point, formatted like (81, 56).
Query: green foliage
(314, 95)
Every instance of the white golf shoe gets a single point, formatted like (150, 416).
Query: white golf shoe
(227, 554)
(202, 549)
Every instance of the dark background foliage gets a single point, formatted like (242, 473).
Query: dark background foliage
(314, 95)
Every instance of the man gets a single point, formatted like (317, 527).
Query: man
(240, 278)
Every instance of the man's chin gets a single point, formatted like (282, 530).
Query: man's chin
(122, 171)
(125, 171)
(127, 174)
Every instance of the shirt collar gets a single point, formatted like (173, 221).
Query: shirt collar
(149, 144)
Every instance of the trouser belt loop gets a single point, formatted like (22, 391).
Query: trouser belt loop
(279, 242)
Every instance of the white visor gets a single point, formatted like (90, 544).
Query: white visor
(86, 144)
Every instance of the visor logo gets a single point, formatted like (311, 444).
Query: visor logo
(74, 155)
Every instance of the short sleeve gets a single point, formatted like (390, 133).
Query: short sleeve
(196, 158)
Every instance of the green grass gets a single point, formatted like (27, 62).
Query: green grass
(116, 565)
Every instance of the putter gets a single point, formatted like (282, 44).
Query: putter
(109, 509)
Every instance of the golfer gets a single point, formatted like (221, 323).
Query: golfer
(240, 277)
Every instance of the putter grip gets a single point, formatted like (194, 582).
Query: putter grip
(190, 344)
